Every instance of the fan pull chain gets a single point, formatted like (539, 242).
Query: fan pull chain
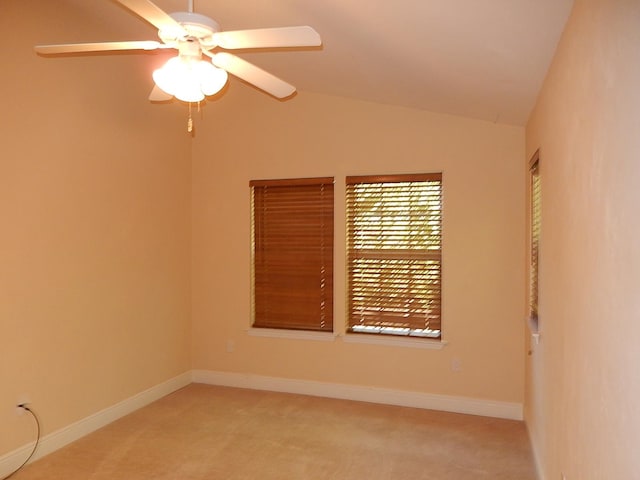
(190, 119)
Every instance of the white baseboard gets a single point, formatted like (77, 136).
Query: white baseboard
(70, 433)
(58, 439)
(447, 403)
(535, 453)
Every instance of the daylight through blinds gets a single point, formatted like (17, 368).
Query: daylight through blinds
(535, 238)
(394, 243)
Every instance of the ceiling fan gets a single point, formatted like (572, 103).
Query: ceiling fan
(187, 76)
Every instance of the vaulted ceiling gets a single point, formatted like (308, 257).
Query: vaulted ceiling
(482, 59)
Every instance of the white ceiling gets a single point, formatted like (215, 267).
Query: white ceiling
(482, 59)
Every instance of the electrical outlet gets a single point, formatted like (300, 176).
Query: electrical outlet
(23, 399)
(231, 346)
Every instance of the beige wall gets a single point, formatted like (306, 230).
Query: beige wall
(583, 385)
(95, 227)
(247, 135)
(101, 278)
(95, 249)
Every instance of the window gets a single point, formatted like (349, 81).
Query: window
(394, 250)
(292, 231)
(535, 217)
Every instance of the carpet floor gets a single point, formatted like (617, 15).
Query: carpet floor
(208, 432)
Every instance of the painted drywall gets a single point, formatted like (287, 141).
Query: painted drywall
(95, 202)
(95, 224)
(582, 379)
(247, 135)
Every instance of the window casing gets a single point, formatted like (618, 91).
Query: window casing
(292, 250)
(394, 254)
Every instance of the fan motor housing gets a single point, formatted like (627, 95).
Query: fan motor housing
(198, 27)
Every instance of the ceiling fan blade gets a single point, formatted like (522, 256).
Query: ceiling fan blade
(252, 74)
(159, 95)
(268, 38)
(98, 47)
(155, 16)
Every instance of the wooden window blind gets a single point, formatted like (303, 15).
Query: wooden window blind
(293, 253)
(535, 216)
(394, 250)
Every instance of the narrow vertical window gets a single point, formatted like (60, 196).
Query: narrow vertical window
(394, 249)
(292, 240)
(535, 218)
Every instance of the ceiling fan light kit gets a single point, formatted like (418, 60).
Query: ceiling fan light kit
(188, 77)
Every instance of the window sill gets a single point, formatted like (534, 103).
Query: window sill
(292, 334)
(364, 338)
(394, 341)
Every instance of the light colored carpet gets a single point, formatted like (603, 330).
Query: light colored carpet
(207, 432)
